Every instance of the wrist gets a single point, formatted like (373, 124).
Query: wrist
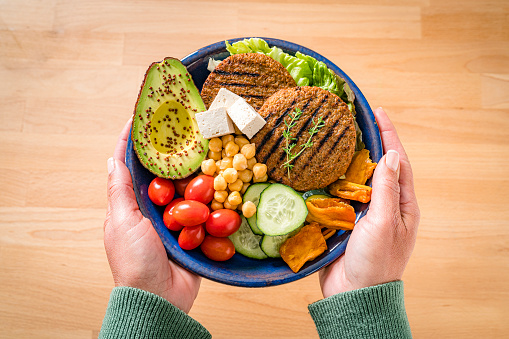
(334, 282)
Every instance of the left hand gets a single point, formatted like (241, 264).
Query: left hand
(136, 255)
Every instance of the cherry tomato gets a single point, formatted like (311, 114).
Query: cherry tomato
(200, 189)
(161, 191)
(168, 218)
(222, 223)
(217, 249)
(191, 237)
(190, 213)
(181, 184)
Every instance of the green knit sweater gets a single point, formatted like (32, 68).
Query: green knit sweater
(372, 312)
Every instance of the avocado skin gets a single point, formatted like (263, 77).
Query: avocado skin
(168, 92)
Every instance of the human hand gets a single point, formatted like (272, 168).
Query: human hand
(382, 241)
(135, 252)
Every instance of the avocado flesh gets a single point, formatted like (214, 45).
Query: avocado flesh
(165, 133)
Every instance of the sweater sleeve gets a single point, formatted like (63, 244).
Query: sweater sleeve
(134, 313)
(372, 312)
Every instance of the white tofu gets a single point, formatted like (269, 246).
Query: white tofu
(224, 98)
(246, 118)
(214, 123)
(212, 64)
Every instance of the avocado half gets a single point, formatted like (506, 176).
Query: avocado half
(165, 133)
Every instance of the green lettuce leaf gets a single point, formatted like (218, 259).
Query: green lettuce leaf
(299, 69)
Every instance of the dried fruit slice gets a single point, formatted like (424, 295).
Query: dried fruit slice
(307, 245)
(331, 213)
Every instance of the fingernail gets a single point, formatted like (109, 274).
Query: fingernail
(392, 160)
(111, 165)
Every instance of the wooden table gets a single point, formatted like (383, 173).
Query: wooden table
(70, 72)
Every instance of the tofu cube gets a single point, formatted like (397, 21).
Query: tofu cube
(224, 98)
(214, 123)
(246, 118)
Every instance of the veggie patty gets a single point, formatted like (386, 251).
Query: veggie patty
(253, 76)
(331, 149)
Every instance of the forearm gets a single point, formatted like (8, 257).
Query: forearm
(134, 313)
(373, 312)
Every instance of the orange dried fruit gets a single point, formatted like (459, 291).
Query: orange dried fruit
(361, 168)
(328, 232)
(350, 190)
(331, 213)
(305, 246)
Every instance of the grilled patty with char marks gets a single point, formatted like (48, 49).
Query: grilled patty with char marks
(333, 146)
(253, 76)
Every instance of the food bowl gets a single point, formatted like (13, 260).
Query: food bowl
(240, 270)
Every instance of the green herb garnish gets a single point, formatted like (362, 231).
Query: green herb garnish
(290, 144)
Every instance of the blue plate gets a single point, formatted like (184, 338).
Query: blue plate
(240, 270)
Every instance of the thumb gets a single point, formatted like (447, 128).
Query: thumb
(385, 197)
(122, 204)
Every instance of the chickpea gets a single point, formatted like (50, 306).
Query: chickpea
(226, 162)
(208, 167)
(248, 150)
(218, 166)
(259, 170)
(234, 198)
(226, 139)
(214, 155)
(262, 179)
(231, 149)
(245, 175)
(239, 207)
(248, 209)
(230, 175)
(220, 196)
(215, 205)
(244, 187)
(237, 130)
(239, 162)
(229, 206)
(220, 183)
(241, 141)
(215, 145)
(236, 186)
(251, 162)
(223, 154)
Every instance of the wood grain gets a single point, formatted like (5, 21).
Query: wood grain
(70, 72)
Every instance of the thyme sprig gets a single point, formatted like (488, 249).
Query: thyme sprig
(289, 140)
(294, 116)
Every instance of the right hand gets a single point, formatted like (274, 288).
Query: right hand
(383, 240)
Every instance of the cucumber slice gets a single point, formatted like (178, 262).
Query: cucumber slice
(280, 210)
(271, 244)
(246, 242)
(253, 194)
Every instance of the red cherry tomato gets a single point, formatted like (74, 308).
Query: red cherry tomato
(200, 189)
(161, 191)
(190, 213)
(222, 223)
(191, 237)
(217, 249)
(168, 218)
(181, 184)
